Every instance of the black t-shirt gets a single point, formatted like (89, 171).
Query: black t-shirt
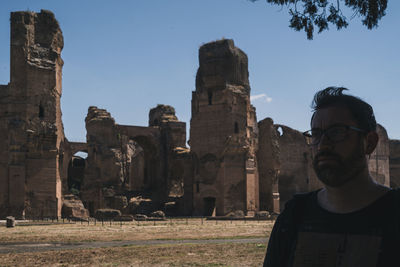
(306, 235)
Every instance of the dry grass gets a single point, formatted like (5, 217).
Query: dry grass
(226, 254)
(160, 255)
(177, 229)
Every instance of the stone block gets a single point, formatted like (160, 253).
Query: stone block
(107, 214)
(262, 214)
(140, 217)
(10, 222)
(157, 214)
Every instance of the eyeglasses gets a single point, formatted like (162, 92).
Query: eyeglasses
(335, 134)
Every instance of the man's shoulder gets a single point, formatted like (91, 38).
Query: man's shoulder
(301, 199)
(295, 207)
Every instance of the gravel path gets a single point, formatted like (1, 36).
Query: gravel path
(39, 247)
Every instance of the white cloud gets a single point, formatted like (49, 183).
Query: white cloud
(263, 97)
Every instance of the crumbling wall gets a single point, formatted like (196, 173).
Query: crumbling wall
(133, 161)
(223, 133)
(173, 139)
(394, 163)
(105, 170)
(296, 172)
(378, 162)
(269, 165)
(30, 120)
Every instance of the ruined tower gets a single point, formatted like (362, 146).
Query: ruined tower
(223, 133)
(31, 130)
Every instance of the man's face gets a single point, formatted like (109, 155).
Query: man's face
(336, 163)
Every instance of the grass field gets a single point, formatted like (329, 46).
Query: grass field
(225, 254)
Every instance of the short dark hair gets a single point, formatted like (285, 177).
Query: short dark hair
(361, 110)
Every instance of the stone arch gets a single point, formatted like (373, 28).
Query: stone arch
(147, 158)
(75, 147)
(75, 173)
(148, 139)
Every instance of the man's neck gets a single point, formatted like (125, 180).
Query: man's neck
(356, 194)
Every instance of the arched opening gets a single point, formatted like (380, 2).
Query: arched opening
(41, 112)
(210, 95)
(209, 206)
(76, 172)
(279, 130)
(143, 169)
(137, 169)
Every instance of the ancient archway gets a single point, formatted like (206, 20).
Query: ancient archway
(76, 172)
(145, 162)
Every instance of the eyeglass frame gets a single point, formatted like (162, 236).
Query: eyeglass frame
(348, 127)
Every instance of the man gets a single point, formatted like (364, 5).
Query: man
(352, 221)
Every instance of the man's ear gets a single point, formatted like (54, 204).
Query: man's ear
(371, 139)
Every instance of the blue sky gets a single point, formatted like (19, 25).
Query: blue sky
(128, 56)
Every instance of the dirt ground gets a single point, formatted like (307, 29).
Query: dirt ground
(225, 254)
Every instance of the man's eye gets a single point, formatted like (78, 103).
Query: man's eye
(337, 131)
(315, 133)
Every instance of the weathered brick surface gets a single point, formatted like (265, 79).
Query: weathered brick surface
(124, 160)
(30, 122)
(296, 173)
(223, 133)
(394, 161)
(378, 162)
(269, 165)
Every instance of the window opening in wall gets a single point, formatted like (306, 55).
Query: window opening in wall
(41, 112)
(76, 172)
(197, 187)
(236, 127)
(209, 206)
(145, 178)
(210, 98)
(280, 131)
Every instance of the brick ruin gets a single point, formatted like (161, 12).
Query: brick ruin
(223, 133)
(31, 130)
(394, 163)
(234, 163)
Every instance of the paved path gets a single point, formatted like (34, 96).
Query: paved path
(39, 247)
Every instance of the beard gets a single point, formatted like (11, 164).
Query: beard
(340, 170)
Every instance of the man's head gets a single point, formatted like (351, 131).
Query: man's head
(343, 132)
